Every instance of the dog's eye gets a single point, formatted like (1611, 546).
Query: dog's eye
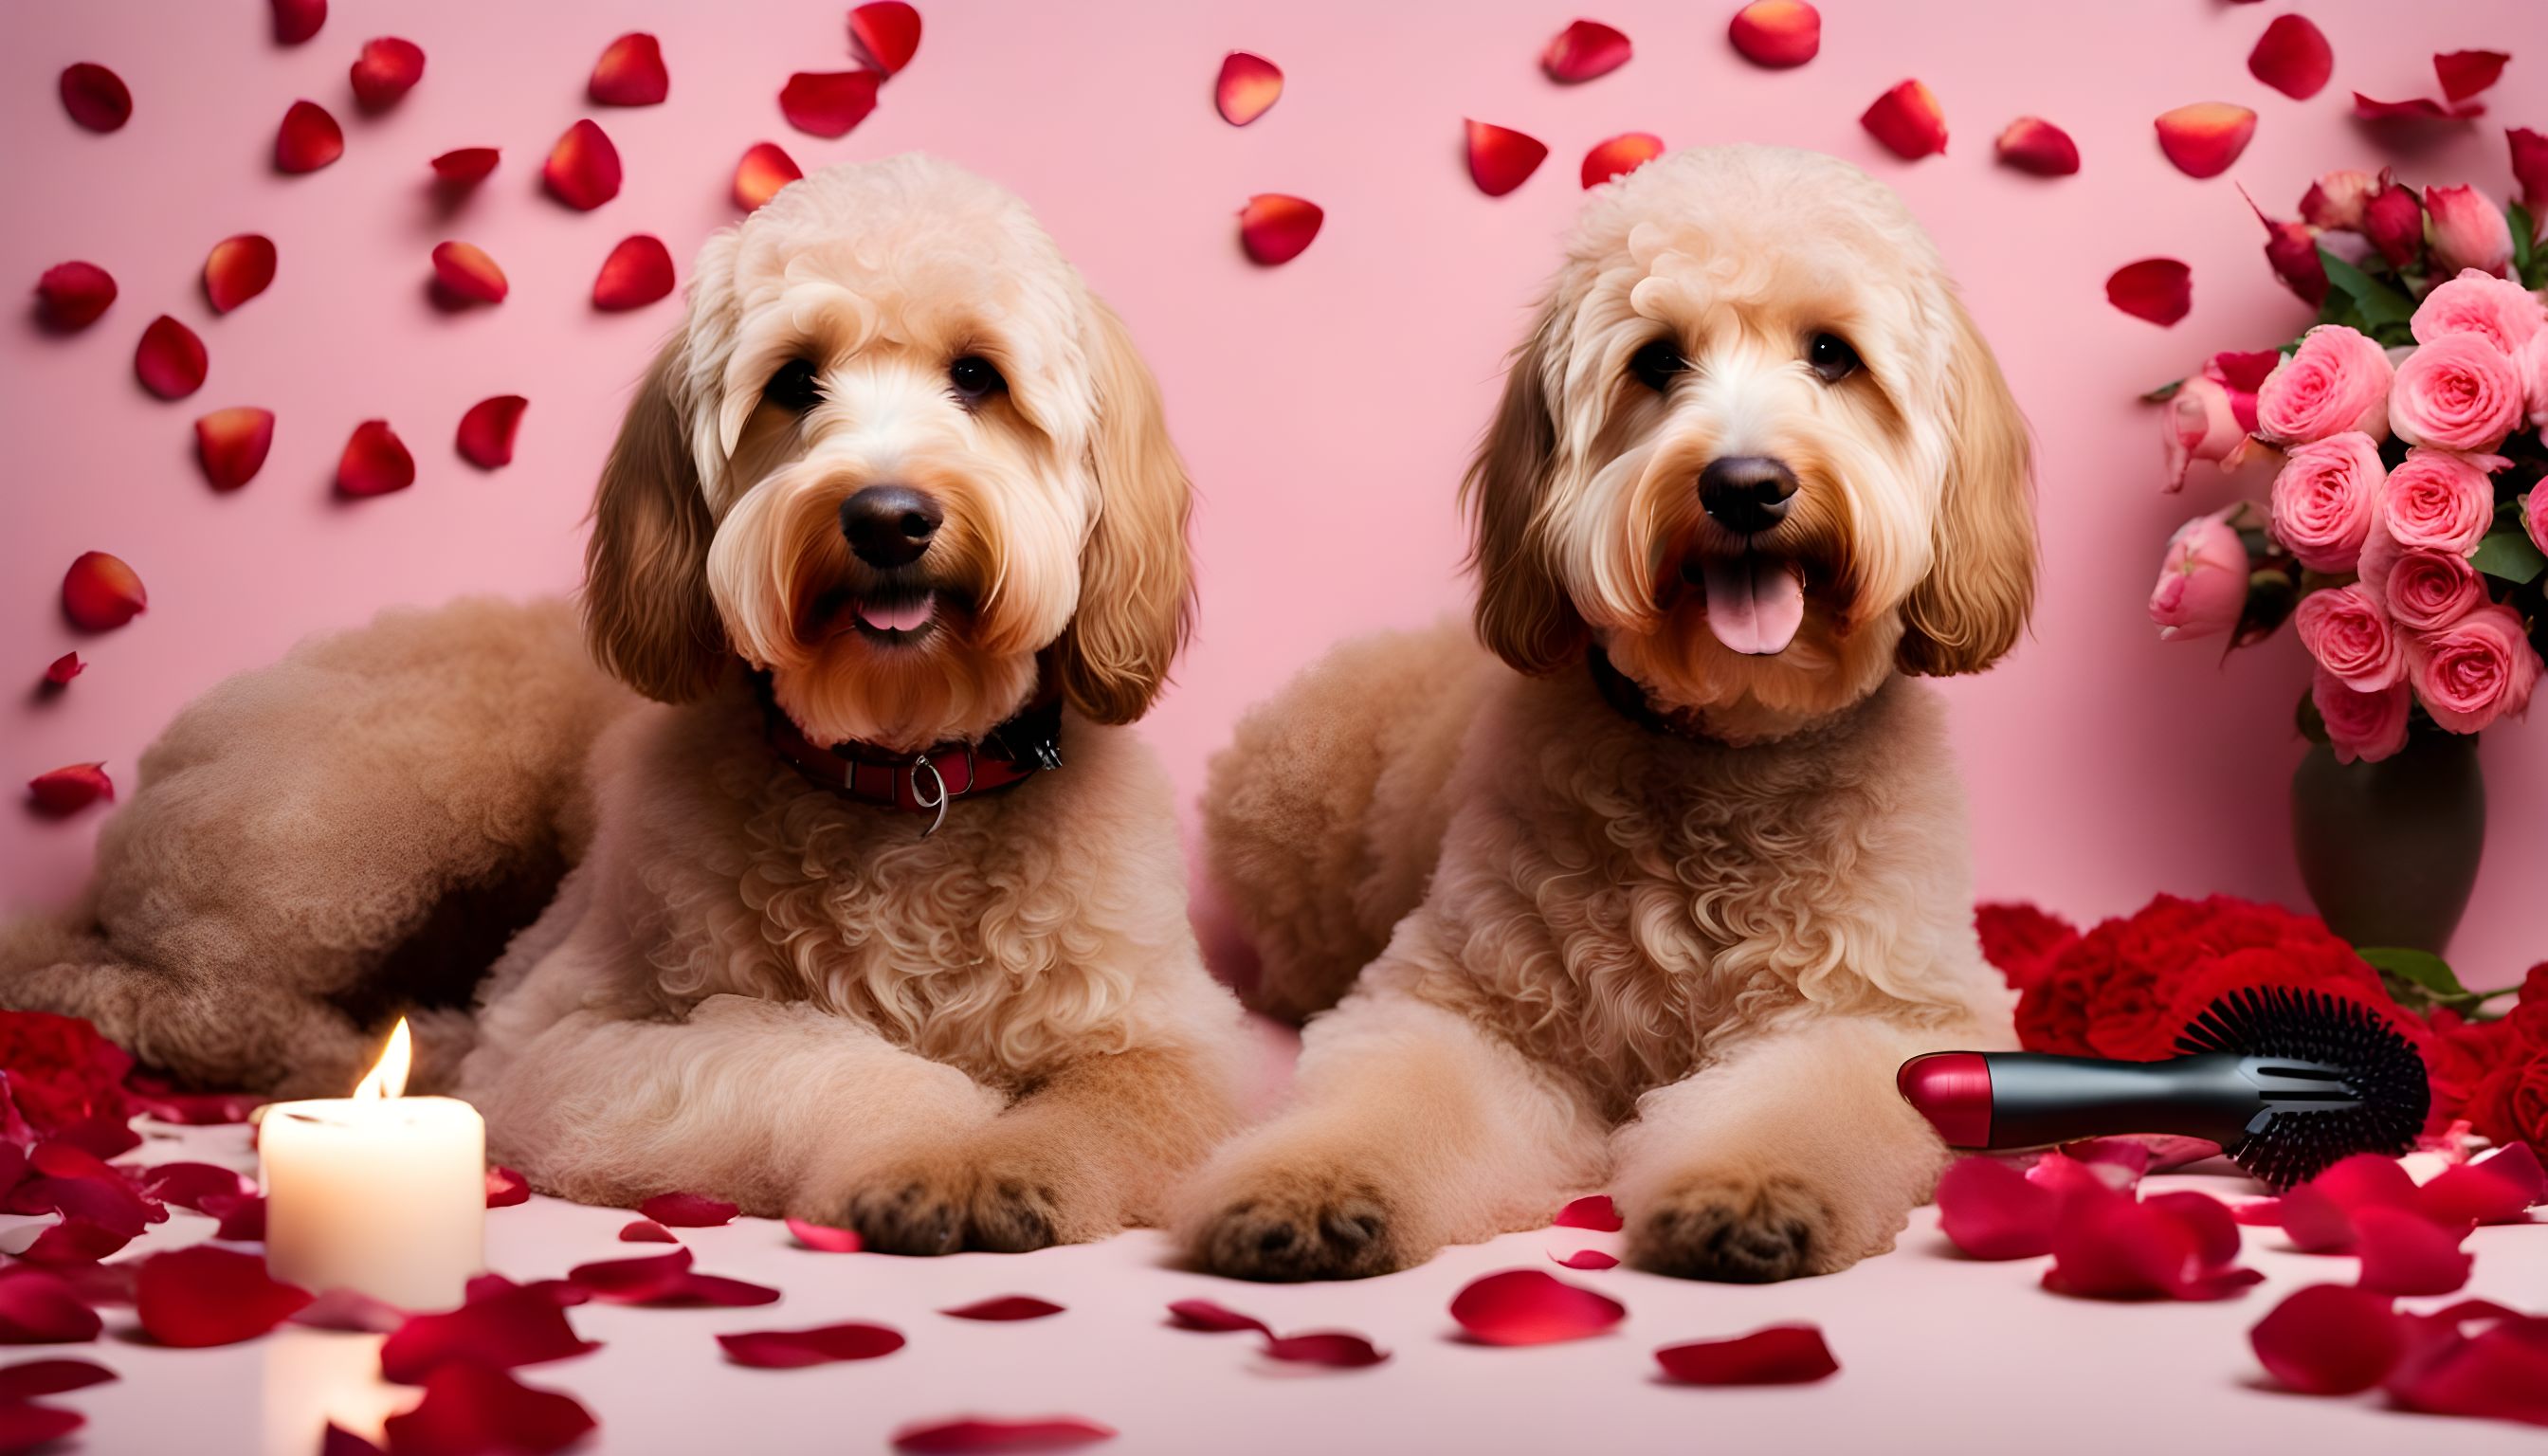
(975, 379)
(793, 387)
(1832, 358)
(1656, 364)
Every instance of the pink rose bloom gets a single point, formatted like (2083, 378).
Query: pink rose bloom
(2530, 366)
(2457, 393)
(2427, 590)
(2467, 230)
(2350, 637)
(2198, 422)
(2364, 726)
(2325, 499)
(2473, 670)
(2202, 581)
(2336, 200)
(2438, 500)
(2336, 381)
(2534, 515)
(2501, 309)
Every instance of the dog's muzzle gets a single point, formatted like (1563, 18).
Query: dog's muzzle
(1747, 494)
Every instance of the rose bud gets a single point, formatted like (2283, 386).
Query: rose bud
(2336, 381)
(2475, 670)
(2530, 169)
(2428, 590)
(2363, 727)
(2198, 422)
(2458, 392)
(2337, 199)
(2352, 638)
(2291, 250)
(2325, 499)
(2506, 313)
(2202, 579)
(2242, 374)
(2467, 230)
(2439, 500)
(2394, 222)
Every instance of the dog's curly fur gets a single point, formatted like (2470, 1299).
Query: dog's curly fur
(1568, 950)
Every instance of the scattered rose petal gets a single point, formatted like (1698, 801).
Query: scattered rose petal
(71, 788)
(470, 1408)
(791, 1349)
(2106, 1245)
(637, 273)
(716, 1289)
(1596, 1213)
(630, 73)
(1526, 1306)
(38, 1309)
(95, 97)
(335, 1441)
(2329, 1340)
(99, 592)
(1620, 155)
(296, 21)
(1782, 1354)
(583, 169)
(2119, 1162)
(987, 1433)
(487, 431)
(2464, 74)
(2314, 1222)
(825, 1240)
(2367, 1180)
(761, 172)
(107, 1135)
(2033, 144)
(2160, 290)
(1248, 85)
(2502, 1374)
(31, 1378)
(633, 1281)
(74, 1240)
(308, 140)
(25, 1424)
(1586, 1258)
(1005, 1307)
(1212, 1318)
(1584, 51)
(170, 360)
(97, 1284)
(64, 668)
(203, 1296)
(351, 1310)
(1275, 229)
(506, 1188)
(466, 272)
(153, 1098)
(828, 103)
(1331, 1348)
(75, 294)
(2492, 1190)
(2293, 57)
(645, 1230)
(1501, 158)
(514, 1326)
(886, 34)
(566, 1293)
(386, 70)
(231, 444)
(2402, 1254)
(1992, 1210)
(466, 167)
(242, 1217)
(374, 461)
(1908, 121)
(689, 1210)
(1776, 32)
(186, 1184)
(2204, 138)
(2422, 109)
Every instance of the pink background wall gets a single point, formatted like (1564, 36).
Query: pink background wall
(1327, 407)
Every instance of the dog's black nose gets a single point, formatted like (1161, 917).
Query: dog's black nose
(1747, 494)
(890, 525)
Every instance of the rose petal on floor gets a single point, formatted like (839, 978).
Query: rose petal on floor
(1619, 155)
(350, 1309)
(70, 788)
(2473, 1193)
(1992, 1210)
(2160, 290)
(633, 1281)
(204, 1296)
(388, 69)
(37, 1307)
(2501, 1373)
(471, 1408)
(1586, 1258)
(237, 270)
(1596, 1213)
(506, 1188)
(2035, 145)
(170, 360)
(1909, 122)
(716, 1289)
(31, 1378)
(231, 445)
(466, 166)
(637, 273)
(2422, 109)
(630, 73)
(2329, 1339)
(24, 1424)
(2293, 57)
(583, 169)
(689, 1210)
(765, 169)
(828, 103)
(1584, 51)
(1212, 1318)
(1331, 1348)
(1275, 229)
(99, 592)
(2314, 1222)
(2404, 1253)
(2204, 138)
(485, 437)
(185, 1184)
(825, 1240)
(309, 138)
(991, 1433)
(97, 1284)
(564, 1292)
(1776, 32)
(2171, 1245)
(1527, 1307)
(793, 1349)
(74, 1240)
(96, 97)
(645, 1230)
(73, 294)
(1781, 1354)
(2464, 74)
(64, 668)
(1501, 158)
(515, 1327)
(465, 271)
(886, 34)
(242, 1217)
(1005, 1307)
(296, 21)
(1248, 85)
(375, 462)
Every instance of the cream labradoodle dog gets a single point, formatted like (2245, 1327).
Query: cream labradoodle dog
(873, 918)
(1651, 892)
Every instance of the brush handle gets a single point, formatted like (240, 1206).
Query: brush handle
(2029, 1099)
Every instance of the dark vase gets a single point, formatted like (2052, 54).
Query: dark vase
(2390, 850)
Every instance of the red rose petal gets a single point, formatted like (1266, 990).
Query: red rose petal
(2492, 1190)
(564, 1292)
(70, 789)
(75, 294)
(716, 1289)
(335, 1441)
(761, 172)
(25, 1424)
(1526, 1306)
(506, 1188)
(2330, 1341)
(2463, 73)
(74, 1240)
(2314, 1222)
(388, 69)
(633, 1281)
(2402, 1254)
(64, 668)
(2502, 1374)
(1620, 155)
(1006, 1307)
(1501, 158)
(1908, 121)
(1992, 1210)
(886, 34)
(296, 21)
(231, 444)
(242, 1217)
(31, 1378)
(823, 1239)
(471, 1408)
(351, 1310)
(99, 592)
(637, 273)
(2160, 290)
(1586, 1258)
(689, 1210)
(1212, 1318)
(2033, 144)
(485, 437)
(95, 97)
(828, 103)
(1596, 1213)
(38, 1309)
(1331, 1348)
(645, 1230)
(308, 140)
(1584, 51)
(465, 271)
(203, 1296)
(1248, 85)
(583, 169)
(2107, 1245)
(107, 1135)
(1776, 32)
(187, 1184)
(2216, 1233)
(2293, 57)
(515, 1327)
(1275, 229)
(467, 166)
(792, 1349)
(1782, 1354)
(374, 461)
(630, 73)
(170, 359)
(2204, 138)
(987, 1434)
(2367, 1180)
(2422, 109)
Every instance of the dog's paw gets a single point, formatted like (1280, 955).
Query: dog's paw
(959, 1204)
(1311, 1231)
(911, 1214)
(1735, 1231)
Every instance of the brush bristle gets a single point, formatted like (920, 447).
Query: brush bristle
(2379, 1065)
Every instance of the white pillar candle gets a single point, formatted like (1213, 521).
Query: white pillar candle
(378, 1192)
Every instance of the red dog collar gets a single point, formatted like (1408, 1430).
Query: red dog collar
(924, 782)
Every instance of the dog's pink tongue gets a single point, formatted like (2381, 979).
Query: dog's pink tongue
(1755, 604)
(903, 618)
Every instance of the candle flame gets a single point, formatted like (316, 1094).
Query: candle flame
(387, 1076)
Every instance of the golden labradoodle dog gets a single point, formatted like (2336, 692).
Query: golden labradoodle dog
(873, 918)
(1650, 887)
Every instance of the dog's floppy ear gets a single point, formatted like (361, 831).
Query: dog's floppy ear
(1136, 574)
(646, 614)
(1970, 607)
(1524, 615)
